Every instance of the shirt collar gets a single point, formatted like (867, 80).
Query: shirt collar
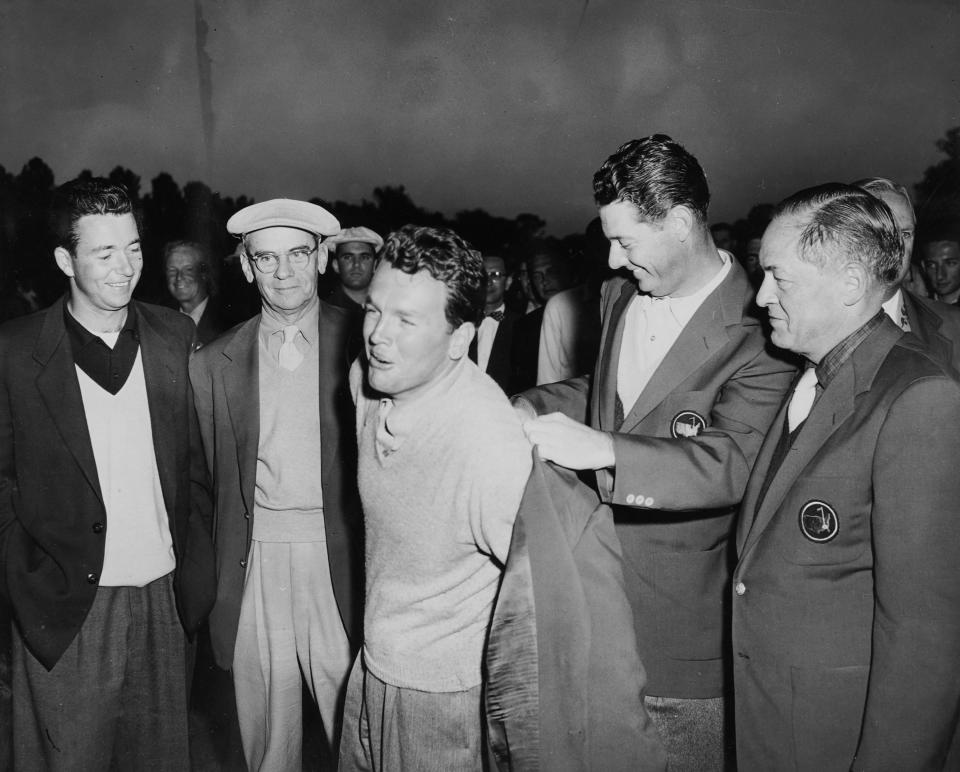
(197, 313)
(308, 323)
(894, 307)
(683, 308)
(831, 363)
(81, 337)
(404, 416)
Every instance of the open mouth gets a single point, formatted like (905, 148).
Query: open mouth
(378, 362)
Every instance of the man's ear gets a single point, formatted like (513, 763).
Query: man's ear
(680, 221)
(461, 339)
(245, 265)
(64, 261)
(855, 281)
(323, 255)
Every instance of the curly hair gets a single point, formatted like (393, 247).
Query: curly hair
(655, 174)
(448, 259)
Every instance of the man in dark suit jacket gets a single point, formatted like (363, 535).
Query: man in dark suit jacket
(190, 281)
(491, 347)
(935, 323)
(106, 562)
(276, 418)
(846, 601)
(671, 420)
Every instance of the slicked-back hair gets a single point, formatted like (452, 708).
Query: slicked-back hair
(655, 174)
(448, 259)
(846, 223)
(877, 185)
(80, 197)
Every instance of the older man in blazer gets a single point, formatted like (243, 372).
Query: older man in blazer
(936, 324)
(105, 561)
(671, 420)
(846, 598)
(277, 424)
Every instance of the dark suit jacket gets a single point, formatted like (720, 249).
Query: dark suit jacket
(846, 648)
(564, 683)
(51, 506)
(937, 325)
(525, 350)
(675, 495)
(225, 379)
(499, 366)
(211, 323)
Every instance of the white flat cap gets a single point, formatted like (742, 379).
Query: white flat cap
(361, 234)
(285, 212)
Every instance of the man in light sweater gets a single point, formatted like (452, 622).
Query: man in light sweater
(275, 417)
(442, 467)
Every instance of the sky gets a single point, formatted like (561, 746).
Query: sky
(505, 106)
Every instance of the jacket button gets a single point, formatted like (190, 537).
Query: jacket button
(91, 578)
(740, 588)
(98, 527)
(246, 514)
(243, 563)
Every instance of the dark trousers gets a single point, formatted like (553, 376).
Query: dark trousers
(116, 699)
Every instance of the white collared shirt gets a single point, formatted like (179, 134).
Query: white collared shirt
(197, 313)
(651, 327)
(895, 310)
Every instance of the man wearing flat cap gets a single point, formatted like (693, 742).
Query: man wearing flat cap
(354, 251)
(274, 406)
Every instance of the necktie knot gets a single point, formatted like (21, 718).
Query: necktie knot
(802, 399)
(290, 356)
(496, 315)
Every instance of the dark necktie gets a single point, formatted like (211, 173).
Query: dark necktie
(497, 316)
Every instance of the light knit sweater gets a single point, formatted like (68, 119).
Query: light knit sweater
(439, 506)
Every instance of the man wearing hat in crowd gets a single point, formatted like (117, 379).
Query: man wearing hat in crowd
(273, 403)
(354, 253)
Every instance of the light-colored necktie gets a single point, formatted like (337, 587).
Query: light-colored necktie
(290, 356)
(804, 394)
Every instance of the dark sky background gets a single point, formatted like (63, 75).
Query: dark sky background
(508, 106)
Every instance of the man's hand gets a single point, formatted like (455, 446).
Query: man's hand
(569, 443)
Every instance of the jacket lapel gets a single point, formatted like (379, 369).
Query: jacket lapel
(241, 385)
(610, 357)
(748, 507)
(156, 354)
(832, 409)
(60, 390)
(925, 324)
(700, 339)
(835, 406)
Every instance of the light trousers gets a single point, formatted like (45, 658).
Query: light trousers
(289, 624)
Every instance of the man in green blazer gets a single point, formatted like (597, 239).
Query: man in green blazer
(846, 598)
(671, 420)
